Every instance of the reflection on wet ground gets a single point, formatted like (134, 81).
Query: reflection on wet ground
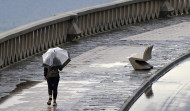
(169, 93)
(35, 96)
(110, 65)
(149, 93)
(15, 99)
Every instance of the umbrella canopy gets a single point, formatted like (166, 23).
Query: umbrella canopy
(56, 58)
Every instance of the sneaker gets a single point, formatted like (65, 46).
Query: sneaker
(54, 104)
(49, 101)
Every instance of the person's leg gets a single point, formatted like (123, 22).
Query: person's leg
(50, 89)
(55, 86)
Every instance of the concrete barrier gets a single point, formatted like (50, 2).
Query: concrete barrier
(33, 38)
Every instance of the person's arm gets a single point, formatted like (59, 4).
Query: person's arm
(45, 73)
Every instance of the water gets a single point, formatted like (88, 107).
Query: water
(14, 13)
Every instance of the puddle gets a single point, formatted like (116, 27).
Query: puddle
(109, 65)
(66, 103)
(80, 82)
(16, 96)
(118, 81)
(12, 101)
(76, 72)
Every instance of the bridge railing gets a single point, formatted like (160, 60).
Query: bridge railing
(33, 38)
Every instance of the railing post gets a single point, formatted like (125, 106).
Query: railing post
(73, 30)
(165, 8)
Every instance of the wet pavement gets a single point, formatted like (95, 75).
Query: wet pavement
(99, 66)
(35, 96)
(169, 93)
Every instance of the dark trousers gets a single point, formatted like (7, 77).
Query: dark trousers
(52, 86)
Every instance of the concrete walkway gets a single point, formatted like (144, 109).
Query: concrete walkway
(98, 63)
(102, 78)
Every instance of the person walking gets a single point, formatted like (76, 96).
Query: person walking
(54, 59)
(52, 77)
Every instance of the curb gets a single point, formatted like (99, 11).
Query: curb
(126, 106)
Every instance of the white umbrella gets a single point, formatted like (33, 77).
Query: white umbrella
(56, 58)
